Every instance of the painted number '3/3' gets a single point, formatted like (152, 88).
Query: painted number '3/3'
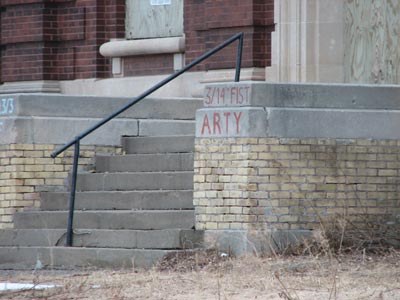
(6, 106)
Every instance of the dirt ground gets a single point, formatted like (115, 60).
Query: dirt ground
(214, 277)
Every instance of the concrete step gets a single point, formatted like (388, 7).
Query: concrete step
(158, 144)
(95, 238)
(36, 129)
(24, 258)
(100, 107)
(154, 127)
(135, 181)
(145, 162)
(165, 108)
(138, 220)
(120, 200)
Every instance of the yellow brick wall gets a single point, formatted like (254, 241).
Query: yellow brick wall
(28, 169)
(253, 183)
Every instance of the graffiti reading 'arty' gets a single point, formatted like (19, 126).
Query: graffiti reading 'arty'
(6, 106)
(221, 123)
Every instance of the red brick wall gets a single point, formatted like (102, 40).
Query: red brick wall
(1, 48)
(57, 39)
(21, 40)
(60, 39)
(208, 22)
(149, 65)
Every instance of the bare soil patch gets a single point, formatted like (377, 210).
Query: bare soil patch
(209, 275)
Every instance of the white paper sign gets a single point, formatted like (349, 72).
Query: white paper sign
(160, 2)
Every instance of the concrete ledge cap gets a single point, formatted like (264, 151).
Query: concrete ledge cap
(339, 96)
(333, 123)
(143, 47)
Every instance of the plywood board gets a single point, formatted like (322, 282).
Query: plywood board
(372, 47)
(154, 18)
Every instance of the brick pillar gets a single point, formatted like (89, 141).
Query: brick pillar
(274, 162)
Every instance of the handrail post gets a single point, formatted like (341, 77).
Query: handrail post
(239, 58)
(72, 196)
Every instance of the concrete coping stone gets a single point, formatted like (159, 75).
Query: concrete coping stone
(56, 105)
(253, 109)
(56, 119)
(302, 95)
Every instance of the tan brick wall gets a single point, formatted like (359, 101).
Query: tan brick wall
(271, 183)
(28, 169)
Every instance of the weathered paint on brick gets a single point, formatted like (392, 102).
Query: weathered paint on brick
(293, 183)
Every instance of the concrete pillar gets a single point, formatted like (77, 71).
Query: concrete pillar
(273, 161)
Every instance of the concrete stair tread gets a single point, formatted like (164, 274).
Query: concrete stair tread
(151, 127)
(119, 219)
(100, 107)
(165, 108)
(117, 211)
(73, 257)
(158, 144)
(94, 200)
(145, 162)
(144, 155)
(104, 238)
(85, 173)
(135, 181)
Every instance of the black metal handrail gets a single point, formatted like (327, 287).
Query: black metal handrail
(77, 139)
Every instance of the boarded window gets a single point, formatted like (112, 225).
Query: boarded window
(154, 18)
(372, 45)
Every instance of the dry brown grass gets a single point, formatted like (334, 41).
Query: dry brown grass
(291, 278)
(340, 262)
